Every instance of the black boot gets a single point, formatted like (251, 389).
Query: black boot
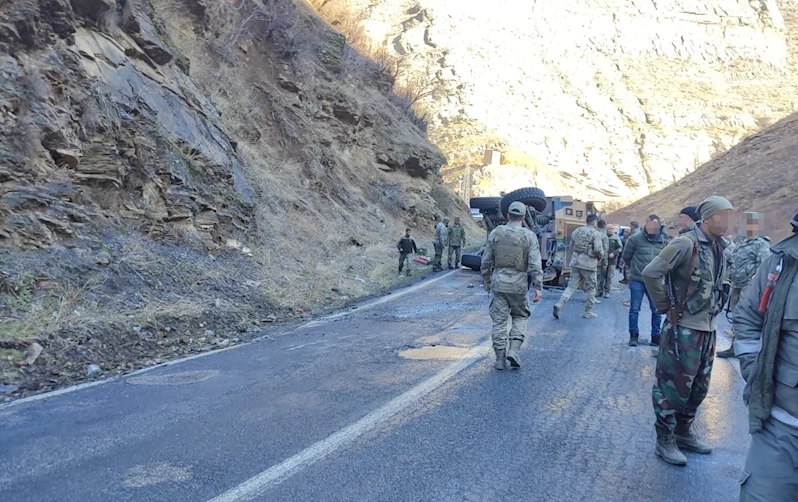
(654, 341)
(633, 339)
(726, 353)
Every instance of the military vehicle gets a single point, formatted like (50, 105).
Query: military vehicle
(553, 219)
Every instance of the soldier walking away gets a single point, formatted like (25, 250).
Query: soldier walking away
(640, 250)
(688, 281)
(511, 255)
(457, 239)
(613, 251)
(634, 227)
(745, 261)
(601, 270)
(439, 242)
(587, 254)
(687, 218)
(406, 246)
(766, 324)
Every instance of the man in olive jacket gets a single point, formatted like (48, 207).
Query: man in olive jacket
(641, 248)
(766, 330)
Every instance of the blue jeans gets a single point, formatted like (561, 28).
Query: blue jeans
(638, 289)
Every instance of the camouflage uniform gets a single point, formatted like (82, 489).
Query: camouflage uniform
(601, 271)
(745, 261)
(439, 242)
(511, 253)
(588, 251)
(605, 280)
(687, 352)
(457, 239)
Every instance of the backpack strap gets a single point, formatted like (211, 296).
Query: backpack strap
(690, 269)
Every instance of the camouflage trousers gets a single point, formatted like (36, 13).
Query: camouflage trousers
(684, 367)
(578, 275)
(508, 308)
(604, 281)
(436, 261)
(454, 251)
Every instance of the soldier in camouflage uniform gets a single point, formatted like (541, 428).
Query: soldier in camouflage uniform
(601, 270)
(439, 242)
(695, 271)
(457, 239)
(614, 248)
(745, 261)
(511, 254)
(766, 321)
(588, 252)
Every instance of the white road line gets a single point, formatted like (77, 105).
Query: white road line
(271, 477)
(258, 485)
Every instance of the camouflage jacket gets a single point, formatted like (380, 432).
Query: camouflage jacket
(746, 258)
(605, 243)
(616, 246)
(512, 280)
(441, 235)
(457, 236)
(587, 247)
(705, 294)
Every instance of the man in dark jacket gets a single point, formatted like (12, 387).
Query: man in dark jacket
(641, 248)
(766, 342)
(406, 246)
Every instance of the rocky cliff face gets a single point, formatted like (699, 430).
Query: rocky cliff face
(175, 172)
(600, 98)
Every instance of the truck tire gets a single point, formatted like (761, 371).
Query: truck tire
(485, 202)
(533, 197)
(472, 261)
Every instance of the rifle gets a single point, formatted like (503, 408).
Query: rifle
(676, 311)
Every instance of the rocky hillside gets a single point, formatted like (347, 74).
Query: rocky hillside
(759, 174)
(607, 99)
(174, 173)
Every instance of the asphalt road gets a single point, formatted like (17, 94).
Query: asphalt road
(397, 402)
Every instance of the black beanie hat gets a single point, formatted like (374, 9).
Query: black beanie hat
(692, 212)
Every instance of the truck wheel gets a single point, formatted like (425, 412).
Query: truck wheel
(485, 202)
(533, 197)
(472, 261)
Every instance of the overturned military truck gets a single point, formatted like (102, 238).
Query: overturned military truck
(552, 219)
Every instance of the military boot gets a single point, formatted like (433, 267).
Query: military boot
(633, 342)
(556, 312)
(654, 341)
(501, 359)
(727, 353)
(667, 450)
(686, 440)
(596, 300)
(512, 354)
(589, 315)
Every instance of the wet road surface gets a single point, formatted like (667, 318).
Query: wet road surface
(397, 402)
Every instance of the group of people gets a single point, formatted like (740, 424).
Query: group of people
(451, 236)
(689, 279)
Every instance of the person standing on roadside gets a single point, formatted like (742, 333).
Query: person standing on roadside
(613, 252)
(745, 261)
(688, 281)
(457, 239)
(438, 243)
(634, 227)
(640, 250)
(511, 256)
(766, 325)
(601, 270)
(588, 252)
(406, 246)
